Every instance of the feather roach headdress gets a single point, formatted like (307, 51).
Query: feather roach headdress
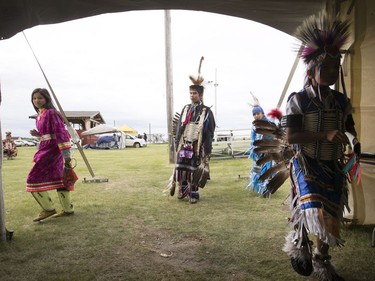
(197, 81)
(322, 35)
(255, 105)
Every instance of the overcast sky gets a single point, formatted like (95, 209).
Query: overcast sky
(115, 64)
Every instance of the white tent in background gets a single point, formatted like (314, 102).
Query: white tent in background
(107, 129)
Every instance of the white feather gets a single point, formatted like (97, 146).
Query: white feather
(254, 100)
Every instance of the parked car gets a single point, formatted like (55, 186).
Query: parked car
(34, 141)
(24, 143)
(134, 141)
(19, 142)
(117, 140)
(28, 143)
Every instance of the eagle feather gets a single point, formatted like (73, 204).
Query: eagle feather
(271, 171)
(276, 149)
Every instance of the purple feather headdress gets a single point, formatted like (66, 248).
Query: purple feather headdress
(321, 35)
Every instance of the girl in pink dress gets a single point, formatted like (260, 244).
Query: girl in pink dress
(53, 153)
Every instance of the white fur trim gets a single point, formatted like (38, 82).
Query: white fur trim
(292, 250)
(323, 270)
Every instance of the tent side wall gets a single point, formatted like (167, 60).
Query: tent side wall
(360, 84)
(2, 211)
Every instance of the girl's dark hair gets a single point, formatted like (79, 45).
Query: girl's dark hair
(44, 92)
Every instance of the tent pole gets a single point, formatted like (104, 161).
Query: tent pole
(71, 131)
(291, 74)
(2, 213)
(4, 233)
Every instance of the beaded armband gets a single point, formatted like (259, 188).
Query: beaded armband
(291, 121)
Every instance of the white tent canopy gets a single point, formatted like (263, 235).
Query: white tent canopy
(100, 129)
(106, 129)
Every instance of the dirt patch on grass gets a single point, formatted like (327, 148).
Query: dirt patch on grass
(150, 251)
(180, 253)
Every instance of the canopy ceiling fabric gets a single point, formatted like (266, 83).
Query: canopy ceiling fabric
(284, 15)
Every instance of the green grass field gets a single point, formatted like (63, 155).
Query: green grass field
(128, 229)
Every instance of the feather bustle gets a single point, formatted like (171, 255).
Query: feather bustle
(266, 158)
(265, 142)
(278, 180)
(277, 149)
(175, 121)
(259, 150)
(273, 170)
(277, 157)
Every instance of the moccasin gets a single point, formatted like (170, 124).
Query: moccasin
(44, 214)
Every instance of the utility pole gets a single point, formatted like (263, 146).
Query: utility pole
(215, 85)
(150, 138)
(215, 105)
(169, 84)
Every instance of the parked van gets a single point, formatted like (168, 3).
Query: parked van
(116, 140)
(134, 141)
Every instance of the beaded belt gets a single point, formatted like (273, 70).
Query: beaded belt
(47, 137)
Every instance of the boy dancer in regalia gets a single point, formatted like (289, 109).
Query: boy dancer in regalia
(193, 142)
(257, 170)
(318, 120)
